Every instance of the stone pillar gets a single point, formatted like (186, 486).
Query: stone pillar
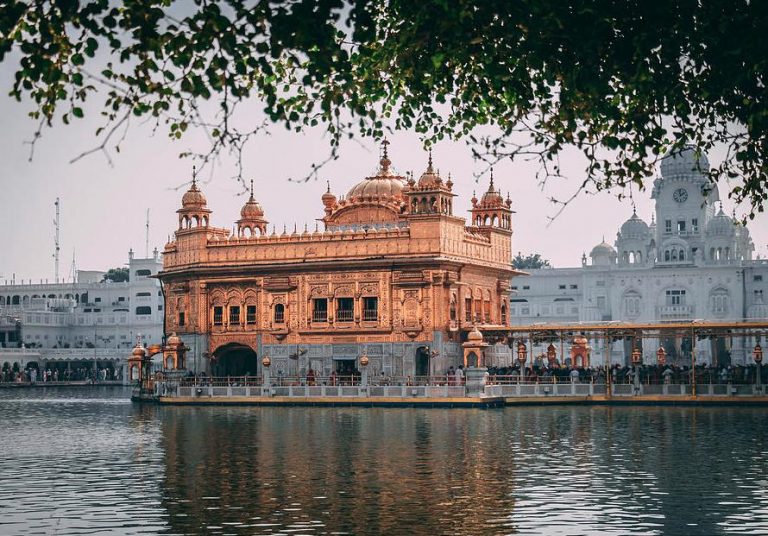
(475, 381)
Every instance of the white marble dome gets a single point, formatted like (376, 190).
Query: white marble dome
(634, 227)
(684, 162)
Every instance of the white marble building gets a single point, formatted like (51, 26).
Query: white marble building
(88, 313)
(692, 261)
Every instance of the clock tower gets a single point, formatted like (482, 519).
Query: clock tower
(685, 203)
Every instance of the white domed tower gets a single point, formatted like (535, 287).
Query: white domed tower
(685, 203)
(603, 254)
(251, 219)
(726, 240)
(194, 212)
(633, 241)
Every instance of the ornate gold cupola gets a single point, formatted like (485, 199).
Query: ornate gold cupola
(492, 210)
(251, 218)
(430, 195)
(194, 212)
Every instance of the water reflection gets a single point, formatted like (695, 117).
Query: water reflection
(90, 462)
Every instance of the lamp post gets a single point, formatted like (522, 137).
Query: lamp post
(364, 370)
(661, 360)
(757, 355)
(265, 363)
(521, 357)
(637, 357)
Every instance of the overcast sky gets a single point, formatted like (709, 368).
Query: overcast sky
(103, 208)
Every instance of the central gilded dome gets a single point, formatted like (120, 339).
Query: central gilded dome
(384, 186)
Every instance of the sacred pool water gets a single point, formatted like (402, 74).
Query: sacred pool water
(88, 461)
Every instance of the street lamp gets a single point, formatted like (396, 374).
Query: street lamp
(521, 357)
(757, 354)
(637, 357)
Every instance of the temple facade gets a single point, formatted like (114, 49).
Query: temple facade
(392, 274)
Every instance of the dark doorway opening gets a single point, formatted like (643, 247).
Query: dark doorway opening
(422, 361)
(234, 359)
(721, 353)
(344, 367)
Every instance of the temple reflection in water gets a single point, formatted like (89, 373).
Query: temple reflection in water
(534, 470)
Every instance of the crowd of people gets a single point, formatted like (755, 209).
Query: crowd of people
(16, 374)
(647, 374)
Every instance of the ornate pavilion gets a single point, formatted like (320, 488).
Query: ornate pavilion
(393, 275)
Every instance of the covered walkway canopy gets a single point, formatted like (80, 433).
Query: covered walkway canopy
(678, 339)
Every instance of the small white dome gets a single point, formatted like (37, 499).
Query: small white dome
(634, 227)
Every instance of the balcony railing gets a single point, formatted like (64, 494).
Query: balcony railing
(319, 316)
(370, 315)
(345, 315)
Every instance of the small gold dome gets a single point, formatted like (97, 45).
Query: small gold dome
(173, 340)
(138, 351)
(252, 209)
(363, 360)
(193, 198)
(430, 179)
(492, 198)
(475, 335)
(266, 361)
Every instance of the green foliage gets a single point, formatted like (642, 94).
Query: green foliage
(623, 82)
(117, 275)
(529, 262)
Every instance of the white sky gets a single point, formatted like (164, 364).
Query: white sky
(103, 208)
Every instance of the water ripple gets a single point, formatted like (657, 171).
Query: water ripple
(87, 461)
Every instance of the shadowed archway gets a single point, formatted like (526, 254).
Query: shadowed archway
(234, 359)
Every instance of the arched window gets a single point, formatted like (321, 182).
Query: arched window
(666, 255)
(503, 314)
(452, 307)
(682, 255)
(279, 313)
(144, 310)
(674, 254)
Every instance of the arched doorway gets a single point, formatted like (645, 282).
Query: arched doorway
(422, 361)
(234, 359)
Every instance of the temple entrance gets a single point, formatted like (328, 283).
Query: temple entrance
(422, 361)
(234, 359)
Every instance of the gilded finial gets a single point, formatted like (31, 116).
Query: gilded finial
(329, 186)
(251, 190)
(194, 176)
(429, 162)
(490, 187)
(385, 161)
